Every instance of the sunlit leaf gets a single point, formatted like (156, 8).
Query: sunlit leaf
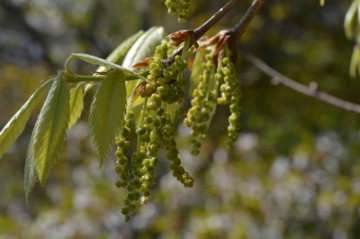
(17, 123)
(107, 112)
(197, 70)
(117, 55)
(50, 128)
(350, 19)
(107, 64)
(76, 104)
(30, 172)
(144, 47)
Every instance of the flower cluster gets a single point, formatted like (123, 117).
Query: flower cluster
(162, 95)
(203, 104)
(219, 76)
(161, 103)
(178, 6)
(230, 94)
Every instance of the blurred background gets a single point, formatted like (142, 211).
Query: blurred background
(294, 171)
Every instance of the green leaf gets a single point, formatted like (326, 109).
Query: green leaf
(17, 123)
(107, 64)
(81, 79)
(137, 110)
(30, 175)
(50, 128)
(322, 3)
(107, 112)
(142, 48)
(117, 55)
(355, 62)
(350, 18)
(197, 71)
(76, 104)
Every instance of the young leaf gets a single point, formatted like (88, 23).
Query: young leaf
(197, 70)
(17, 123)
(355, 62)
(117, 55)
(50, 128)
(350, 20)
(107, 112)
(142, 48)
(76, 104)
(30, 172)
(107, 64)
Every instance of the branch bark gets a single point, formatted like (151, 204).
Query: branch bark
(200, 31)
(281, 79)
(242, 25)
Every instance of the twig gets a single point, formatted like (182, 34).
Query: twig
(281, 79)
(214, 19)
(200, 31)
(240, 27)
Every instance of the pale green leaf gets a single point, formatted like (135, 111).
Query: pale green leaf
(137, 110)
(30, 172)
(350, 18)
(197, 71)
(322, 3)
(76, 104)
(355, 62)
(117, 55)
(107, 112)
(17, 123)
(50, 128)
(142, 48)
(97, 61)
(107, 64)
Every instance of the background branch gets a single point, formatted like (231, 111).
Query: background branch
(281, 79)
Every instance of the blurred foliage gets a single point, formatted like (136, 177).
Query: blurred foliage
(294, 172)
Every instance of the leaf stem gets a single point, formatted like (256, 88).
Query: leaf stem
(75, 78)
(67, 64)
(99, 61)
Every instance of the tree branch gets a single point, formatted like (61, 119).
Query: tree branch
(281, 79)
(214, 19)
(240, 27)
(200, 31)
